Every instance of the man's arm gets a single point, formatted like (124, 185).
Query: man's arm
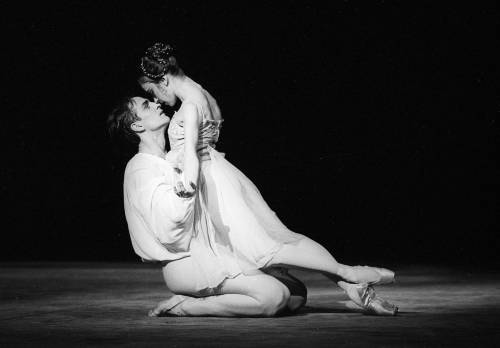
(169, 215)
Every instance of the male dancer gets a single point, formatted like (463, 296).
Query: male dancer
(160, 209)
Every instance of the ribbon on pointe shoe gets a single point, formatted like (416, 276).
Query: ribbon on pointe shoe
(374, 304)
(379, 306)
(365, 297)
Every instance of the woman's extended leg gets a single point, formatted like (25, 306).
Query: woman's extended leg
(310, 255)
(256, 295)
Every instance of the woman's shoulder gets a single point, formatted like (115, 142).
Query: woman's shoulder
(202, 103)
(189, 110)
(212, 104)
(187, 106)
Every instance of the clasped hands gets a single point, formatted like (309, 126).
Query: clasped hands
(181, 191)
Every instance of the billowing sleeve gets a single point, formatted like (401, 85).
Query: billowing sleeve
(169, 216)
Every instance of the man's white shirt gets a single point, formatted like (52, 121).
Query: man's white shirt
(160, 223)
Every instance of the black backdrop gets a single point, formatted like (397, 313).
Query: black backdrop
(369, 128)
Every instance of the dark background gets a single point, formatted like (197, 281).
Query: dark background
(368, 127)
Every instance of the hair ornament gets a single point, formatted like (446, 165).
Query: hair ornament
(159, 53)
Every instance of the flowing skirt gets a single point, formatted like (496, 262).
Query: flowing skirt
(235, 230)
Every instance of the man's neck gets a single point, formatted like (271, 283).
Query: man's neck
(153, 144)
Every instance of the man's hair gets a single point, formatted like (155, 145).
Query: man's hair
(120, 120)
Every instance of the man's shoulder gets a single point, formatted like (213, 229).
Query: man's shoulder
(138, 161)
(141, 163)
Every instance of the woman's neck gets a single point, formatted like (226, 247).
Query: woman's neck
(185, 88)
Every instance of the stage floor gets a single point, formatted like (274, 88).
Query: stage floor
(106, 304)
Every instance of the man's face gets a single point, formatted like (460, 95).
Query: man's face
(151, 115)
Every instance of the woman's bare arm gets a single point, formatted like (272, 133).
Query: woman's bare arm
(191, 129)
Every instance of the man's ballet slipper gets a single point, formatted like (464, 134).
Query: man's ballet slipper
(164, 308)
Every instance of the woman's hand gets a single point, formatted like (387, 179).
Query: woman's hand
(191, 126)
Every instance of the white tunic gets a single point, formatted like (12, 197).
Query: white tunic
(160, 222)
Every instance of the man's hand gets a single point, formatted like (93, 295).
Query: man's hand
(182, 192)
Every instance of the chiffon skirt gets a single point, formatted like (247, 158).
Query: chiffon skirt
(235, 231)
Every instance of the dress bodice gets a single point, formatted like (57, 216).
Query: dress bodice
(208, 133)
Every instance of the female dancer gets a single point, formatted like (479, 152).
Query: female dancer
(236, 229)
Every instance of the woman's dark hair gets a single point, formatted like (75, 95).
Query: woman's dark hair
(157, 61)
(120, 120)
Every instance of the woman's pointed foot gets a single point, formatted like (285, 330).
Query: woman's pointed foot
(365, 297)
(372, 275)
(386, 276)
(379, 306)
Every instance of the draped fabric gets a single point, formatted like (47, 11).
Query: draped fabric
(235, 231)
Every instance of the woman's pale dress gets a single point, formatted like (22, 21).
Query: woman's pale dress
(235, 231)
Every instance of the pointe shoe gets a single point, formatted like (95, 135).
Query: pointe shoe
(386, 276)
(379, 306)
(164, 308)
(365, 297)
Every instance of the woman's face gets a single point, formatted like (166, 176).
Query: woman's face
(160, 91)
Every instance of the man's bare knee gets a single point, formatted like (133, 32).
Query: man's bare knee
(273, 300)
